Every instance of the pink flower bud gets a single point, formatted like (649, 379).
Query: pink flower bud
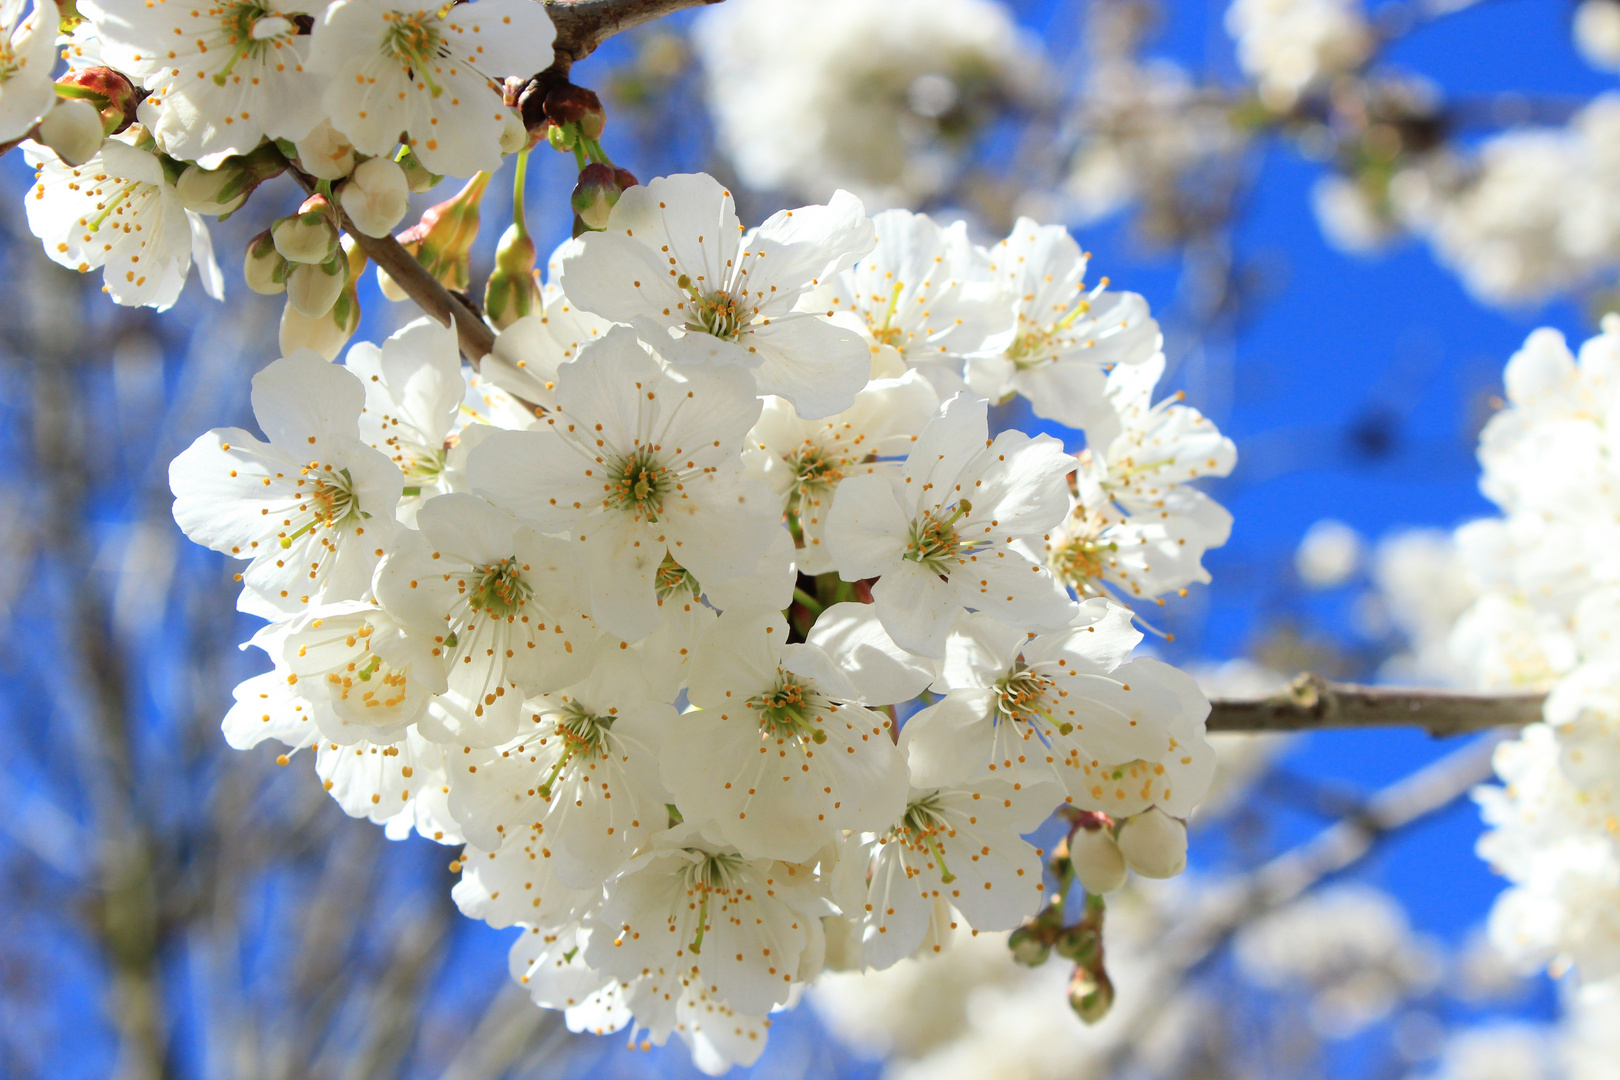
(112, 94)
(442, 241)
(596, 194)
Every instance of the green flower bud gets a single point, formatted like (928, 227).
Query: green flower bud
(310, 235)
(313, 288)
(561, 138)
(264, 270)
(511, 292)
(210, 191)
(327, 333)
(1091, 993)
(598, 192)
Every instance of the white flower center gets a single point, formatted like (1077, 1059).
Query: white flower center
(584, 735)
(331, 503)
(638, 482)
(416, 42)
(710, 876)
(716, 312)
(1022, 696)
(376, 684)
(934, 542)
(920, 828)
(249, 29)
(789, 710)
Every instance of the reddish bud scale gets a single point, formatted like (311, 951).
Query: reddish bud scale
(110, 91)
(442, 240)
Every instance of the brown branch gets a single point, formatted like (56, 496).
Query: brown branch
(1311, 703)
(476, 338)
(582, 25)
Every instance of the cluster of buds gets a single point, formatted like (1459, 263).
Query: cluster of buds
(1096, 855)
(91, 104)
(306, 256)
(571, 119)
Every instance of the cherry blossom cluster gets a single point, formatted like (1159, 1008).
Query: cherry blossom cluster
(635, 607)
(1545, 617)
(636, 612)
(170, 113)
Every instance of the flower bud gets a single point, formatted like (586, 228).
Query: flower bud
(313, 288)
(596, 194)
(323, 333)
(210, 191)
(222, 190)
(310, 235)
(375, 196)
(417, 176)
(1154, 844)
(112, 94)
(1091, 993)
(1028, 947)
(327, 333)
(514, 136)
(561, 138)
(325, 153)
(1098, 865)
(390, 288)
(442, 241)
(264, 270)
(569, 104)
(73, 129)
(511, 292)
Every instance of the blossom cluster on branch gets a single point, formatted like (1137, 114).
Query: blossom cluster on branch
(1545, 616)
(634, 607)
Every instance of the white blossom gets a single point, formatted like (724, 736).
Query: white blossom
(120, 212)
(675, 264)
(780, 754)
(427, 72)
(312, 508)
(27, 54)
(695, 912)
(222, 76)
(958, 846)
(924, 293)
(413, 396)
(497, 599)
(1067, 335)
(806, 460)
(941, 536)
(637, 464)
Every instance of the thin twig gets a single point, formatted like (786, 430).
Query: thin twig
(582, 25)
(1311, 703)
(476, 338)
